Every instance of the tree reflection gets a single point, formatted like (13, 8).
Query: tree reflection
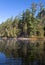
(31, 52)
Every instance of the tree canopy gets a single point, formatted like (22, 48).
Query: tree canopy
(26, 25)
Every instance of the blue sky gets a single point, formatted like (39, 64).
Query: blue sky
(9, 8)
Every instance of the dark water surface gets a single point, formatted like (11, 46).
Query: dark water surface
(18, 52)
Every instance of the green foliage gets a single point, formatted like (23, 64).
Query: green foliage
(25, 25)
(33, 8)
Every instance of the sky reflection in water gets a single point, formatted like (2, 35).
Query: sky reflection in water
(11, 49)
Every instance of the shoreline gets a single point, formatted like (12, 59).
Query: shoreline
(24, 38)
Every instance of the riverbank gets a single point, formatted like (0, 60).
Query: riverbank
(22, 38)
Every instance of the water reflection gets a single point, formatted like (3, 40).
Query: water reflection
(18, 52)
(2, 58)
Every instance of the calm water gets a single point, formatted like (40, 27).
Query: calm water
(17, 52)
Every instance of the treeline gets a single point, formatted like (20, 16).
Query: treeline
(24, 25)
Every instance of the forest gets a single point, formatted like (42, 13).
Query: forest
(24, 25)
